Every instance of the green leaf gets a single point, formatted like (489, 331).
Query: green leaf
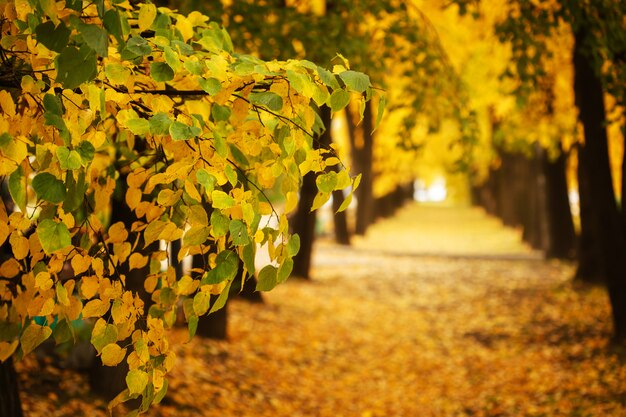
(75, 191)
(138, 126)
(53, 38)
(220, 113)
(103, 335)
(327, 182)
(113, 24)
(17, 188)
(68, 159)
(211, 85)
(193, 321)
(382, 103)
(238, 156)
(206, 180)
(268, 278)
(52, 104)
(267, 99)
(181, 131)
(33, 336)
(95, 37)
(5, 139)
(138, 46)
(338, 100)
(86, 151)
(201, 303)
(356, 81)
(160, 124)
(221, 299)
(239, 233)
(226, 266)
(293, 246)
(248, 257)
(221, 200)
(53, 236)
(49, 188)
(196, 236)
(136, 381)
(284, 270)
(160, 71)
(76, 66)
(220, 223)
(161, 394)
(328, 78)
(231, 175)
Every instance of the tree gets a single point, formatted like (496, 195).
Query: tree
(597, 57)
(96, 92)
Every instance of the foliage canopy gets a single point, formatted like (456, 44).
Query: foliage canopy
(108, 104)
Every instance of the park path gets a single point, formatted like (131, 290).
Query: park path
(439, 311)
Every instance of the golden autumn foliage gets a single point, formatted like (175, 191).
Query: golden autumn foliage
(111, 104)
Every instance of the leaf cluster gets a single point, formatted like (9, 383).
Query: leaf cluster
(109, 104)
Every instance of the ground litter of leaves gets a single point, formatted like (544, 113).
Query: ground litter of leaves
(437, 312)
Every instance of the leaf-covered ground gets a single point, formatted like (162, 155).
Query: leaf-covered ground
(437, 312)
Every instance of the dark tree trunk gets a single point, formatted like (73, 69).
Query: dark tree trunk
(10, 404)
(303, 221)
(249, 292)
(606, 219)
(561, 226)
(591, 266)
(342, 233)
(108, 381)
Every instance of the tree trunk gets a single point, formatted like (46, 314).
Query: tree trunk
(303, 221)
(606, 221)
(560, 224)
(10, 404)
(342, 233)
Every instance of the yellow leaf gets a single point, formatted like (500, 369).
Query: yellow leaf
(292, 201)
(150, 283)
(80, 263)
(19, 245)
(117, 233)
(187, 285)
(7, 349)
(9, 268)
(95, 308)
(112, 354)
(169, 197)
(98, 267)
(47, 307)
(133, 197)
(7, 104)
(4, 231)
(137, 261)
(147, 14)
(190, 188)
(185, 27)
(136, 380)
(259, 236)
(171, 232)
(89, 286)
(33, 336)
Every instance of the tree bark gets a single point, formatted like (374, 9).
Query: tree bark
(562, 236)
(10, 404)
(342, 233)
(303, 221)
(608, 231)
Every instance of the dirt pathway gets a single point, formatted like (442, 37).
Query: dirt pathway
(437, 312)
